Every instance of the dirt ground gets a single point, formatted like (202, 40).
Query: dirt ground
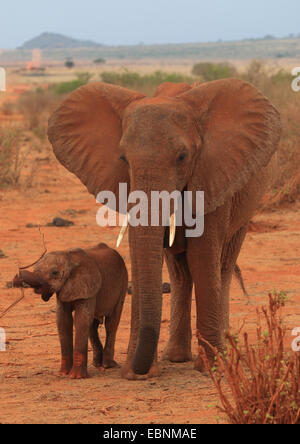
(31, 391)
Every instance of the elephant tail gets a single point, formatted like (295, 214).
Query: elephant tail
(239, 277)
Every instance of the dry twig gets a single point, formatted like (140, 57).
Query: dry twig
(25, 268)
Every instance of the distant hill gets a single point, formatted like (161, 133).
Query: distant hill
(49, 40)
(57, 48)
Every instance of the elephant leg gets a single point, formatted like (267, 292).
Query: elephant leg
(229, 258)
(205, 266)
(96, 344)
(83, 319)
(179, 345)
(64, 322)
(111, 327)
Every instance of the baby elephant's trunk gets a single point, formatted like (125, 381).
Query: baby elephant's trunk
(33, 280)
(26, 277)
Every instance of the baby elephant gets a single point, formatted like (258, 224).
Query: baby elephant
(93, 284)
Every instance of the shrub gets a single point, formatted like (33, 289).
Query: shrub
(146, 83)
(11, 160)
(213, 71)
(69, 63)
(256, 74)
(68, 87)
(35, 107)
(8, 108)
(99, 61)
(285, 181)
(282, 77)
(263, 380)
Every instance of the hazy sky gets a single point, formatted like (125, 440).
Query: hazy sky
(149, 21)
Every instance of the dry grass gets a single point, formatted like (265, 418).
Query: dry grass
(276, 85)
(285, 187)
(258, 383)
(36, 106)
(11, 159)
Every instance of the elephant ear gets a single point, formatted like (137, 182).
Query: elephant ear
(85, 132)
(84, 280)
(240, 131)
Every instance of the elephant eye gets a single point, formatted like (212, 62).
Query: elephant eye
(122, 157)
(54, 273)
(182, 156)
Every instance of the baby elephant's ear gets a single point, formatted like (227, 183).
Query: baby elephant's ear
(240, 131)
(84, 280)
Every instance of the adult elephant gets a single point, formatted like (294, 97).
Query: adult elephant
(218, 137)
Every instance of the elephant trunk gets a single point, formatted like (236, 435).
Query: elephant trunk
(35, 281)
(147, 258)
(29, 278)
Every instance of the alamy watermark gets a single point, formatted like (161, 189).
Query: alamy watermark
(2, 339)
(296, 81)
(162, 212)
(296, 341)
(2, 79)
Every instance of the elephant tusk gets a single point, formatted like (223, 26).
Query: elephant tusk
(123, 230)
(172, 229)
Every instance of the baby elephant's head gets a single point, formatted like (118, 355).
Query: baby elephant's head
(53, 271)
(70, 274)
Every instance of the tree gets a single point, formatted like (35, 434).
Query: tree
(100, 61)
(69, 63)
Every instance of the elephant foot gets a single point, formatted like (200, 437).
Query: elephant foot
(175, 353)
(110, 363)
(78, 373)
(128, 373)
(66, 366)
(79, 370)
(97, 362)
(200, 366)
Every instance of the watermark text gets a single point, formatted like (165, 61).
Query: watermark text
(2, 340)
(2, 79)
(296, 81)
(161, 207)
(296, 341)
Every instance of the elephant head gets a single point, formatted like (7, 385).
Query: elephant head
(70, 274)
(210, 138)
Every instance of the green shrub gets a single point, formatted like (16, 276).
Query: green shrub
(282, 77)
(69, 63)
(213, 71)
(146, 83)
(99, 61)
(67, 87)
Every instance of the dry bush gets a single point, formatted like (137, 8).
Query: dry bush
(36, 106)
(285, 187)
(11, 159)
(263, 380)
(276, 85)
(8, 108)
